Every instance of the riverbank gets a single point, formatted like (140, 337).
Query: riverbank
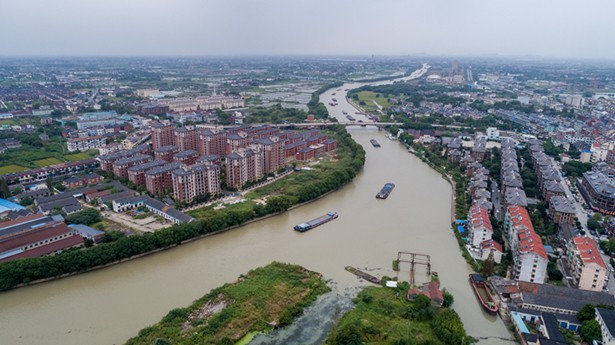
(453, 175)
(310, 186)
(261, 300)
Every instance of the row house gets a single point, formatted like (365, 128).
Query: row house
(121, 166)
(552, 189)
(159, 180)
(479, 150)
(166, 153)
(83, 144)
(290, 150)
(306, 154)
(136, 174)
(515, 196)
(57, 170)
(479, 225)
(179, 105)
(588, 268)
(82, 181)
(187, 157)
(529, 255)
(196, 180)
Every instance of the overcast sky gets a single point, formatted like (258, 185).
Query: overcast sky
(548, 28)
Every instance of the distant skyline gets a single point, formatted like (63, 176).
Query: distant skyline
(547, 28)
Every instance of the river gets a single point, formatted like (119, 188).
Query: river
(110, 305)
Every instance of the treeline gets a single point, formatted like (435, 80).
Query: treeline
(25, 271)
(318, 108)
(276, 114)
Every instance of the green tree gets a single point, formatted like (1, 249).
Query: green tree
(4, 189)
(488, 267)
(448, 299)
(50, 186)
(88, 217)
(590, 330)
(588, 312)
(448, 328)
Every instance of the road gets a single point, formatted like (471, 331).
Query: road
(496, 200)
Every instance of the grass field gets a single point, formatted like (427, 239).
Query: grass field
(368, 97)
(11, 169)
(77, 157)
(47, 162)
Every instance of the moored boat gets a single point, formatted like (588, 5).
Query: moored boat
(370, 278)
(385, 191)
(482, 291)
(316, 222)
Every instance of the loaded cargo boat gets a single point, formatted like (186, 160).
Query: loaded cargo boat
(370, 278)
(316, 222)
(483, 293)
(385, 191)
(374, 143)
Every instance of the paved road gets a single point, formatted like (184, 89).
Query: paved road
(496, 200)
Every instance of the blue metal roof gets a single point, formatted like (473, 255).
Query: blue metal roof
(6, 205)
(519, 322)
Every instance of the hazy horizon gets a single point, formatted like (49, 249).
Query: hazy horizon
(549, 29)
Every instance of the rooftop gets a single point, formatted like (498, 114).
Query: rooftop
(608, 316)
(588, 251)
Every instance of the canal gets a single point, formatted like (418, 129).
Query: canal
(110, 305)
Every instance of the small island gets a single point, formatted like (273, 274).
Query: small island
(259, 301)
(383, 315)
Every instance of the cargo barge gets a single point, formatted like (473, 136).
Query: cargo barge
(370, 278)
(374, 143)
(482, 291)
(316, 222)
(385, 191)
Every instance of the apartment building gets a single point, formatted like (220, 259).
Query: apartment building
(159, 180)
(136, 174)
(187, 157)
(211, 142)
(273, 151)
(243, 166)
(162, 135)
(588, 269)
(191, 182)
(599, 191)
(561, 210)
(529, 255)
(479, 225)
(185, 138)
(165, 153)
(121, 166)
